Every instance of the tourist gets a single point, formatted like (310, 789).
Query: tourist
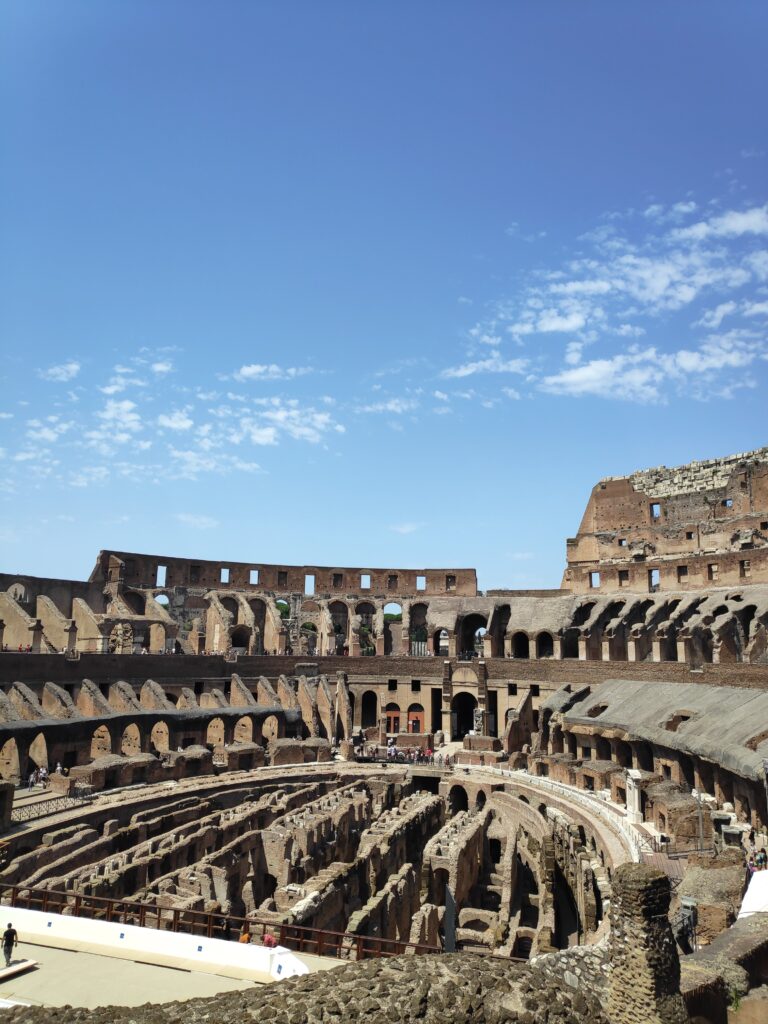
(751, 866)
(10, 939)
(269, 940)
(245, 933)
(33, 778)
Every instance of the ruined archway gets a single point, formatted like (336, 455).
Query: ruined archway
(458, 799)
(130, 741)
(243, 730)
(462, 715)
(440, 643)
(369, 709)
(473, 629)
(10, 767)
(393, 631)
(270, 729)
(241, 638)
(214, 734)
(545, 645)
(521, 647)
(340, 621)
(160, 736)
(418, 629)
(308, 633)
(259, 610)
(101, 742)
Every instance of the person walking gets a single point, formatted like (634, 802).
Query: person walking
(10, 939)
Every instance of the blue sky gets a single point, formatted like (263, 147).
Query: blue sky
(370, 284)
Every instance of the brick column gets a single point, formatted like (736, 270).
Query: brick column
(644, 982)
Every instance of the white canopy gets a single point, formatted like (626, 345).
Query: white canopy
(756, 897)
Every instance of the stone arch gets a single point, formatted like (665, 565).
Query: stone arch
(130, 741)
(101, 742)
(135, 601)
(480, 799)
(38, 751)
(571, 643)
(367, 613)
(419, 636)
(458, 799)
(308, 634)
(241, 637)
(393, 623)
(392, 711)
(160, 736)
(438, 885)
(462, 714)
(231, 605)
(603, 748)
(369, 709)
(440, 643)
(259, 610)
(10, 764)
(416, 718)
(545, 645)
(243, 732)
(473, 628)
(339, 613)
(521, 645)
(271, 729)
(215, 732)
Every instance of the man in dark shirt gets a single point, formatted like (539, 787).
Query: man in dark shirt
(10, 939)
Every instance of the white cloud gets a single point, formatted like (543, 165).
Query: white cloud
(714, 317)
(495, 364)
(511, 393)
(179, 419)
(392, 405)
(270, 371)
(405, 528)
(196, 522)
(162, 367)
(731, 224)
(121, 415)
(440, 396)
(756, 309)
(62, 373)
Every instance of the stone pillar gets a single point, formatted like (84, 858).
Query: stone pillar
(634, 811)
(605, 648)
(452, 645)
(631, 649)
(682, 651)
(380, 646)
(2, 634)
(656, 650)
(507, 646)
(644, 983)
(354, 647)
(37, 636)
(557, 648)
(583, 648)
(487, 646)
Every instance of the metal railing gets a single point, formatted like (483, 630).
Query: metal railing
(52, 805)
(316, 941)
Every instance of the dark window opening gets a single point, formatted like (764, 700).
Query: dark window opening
(682, 573)
(535, 690)
(727, 502)
(392, 582)
(689, 534)
(194, 574)
(511, 689)
(623, 577)
(338, 580)
(392, 685)
(450, 582)
(282, 579)
(415, 686)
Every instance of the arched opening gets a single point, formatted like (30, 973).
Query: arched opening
(259, 610)
(10, 768)
(243, 730)
(270, 729)
(438, 884)
(283, 608)
(440, 643)
(571, 643)
(130, 741)
(309, 638)
(494, 851)
(231, 605)
(458, 799)
(135, 601)
(644, 756)
(480, 800)
(556, 740)
(160, 737)
(419, 635)
(369, 710)
(623, 754)
(367, 632)
(545, 645)
(214, 734)
(473, 629)
(393, 631)
(498, 629)
(462, 715)
(542, 809)
(603, 748)
(101, 742)
(163, 600)
(340, 621)
(416, 718)
(241, 639)
(392, 712)
(520, 645)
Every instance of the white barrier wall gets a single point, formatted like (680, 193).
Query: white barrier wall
(152, 946)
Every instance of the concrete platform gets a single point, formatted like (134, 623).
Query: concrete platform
(18, 966)
(84, 979)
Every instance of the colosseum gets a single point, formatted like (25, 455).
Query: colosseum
(421, 801)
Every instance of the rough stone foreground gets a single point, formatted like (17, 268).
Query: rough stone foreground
(455, 988)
